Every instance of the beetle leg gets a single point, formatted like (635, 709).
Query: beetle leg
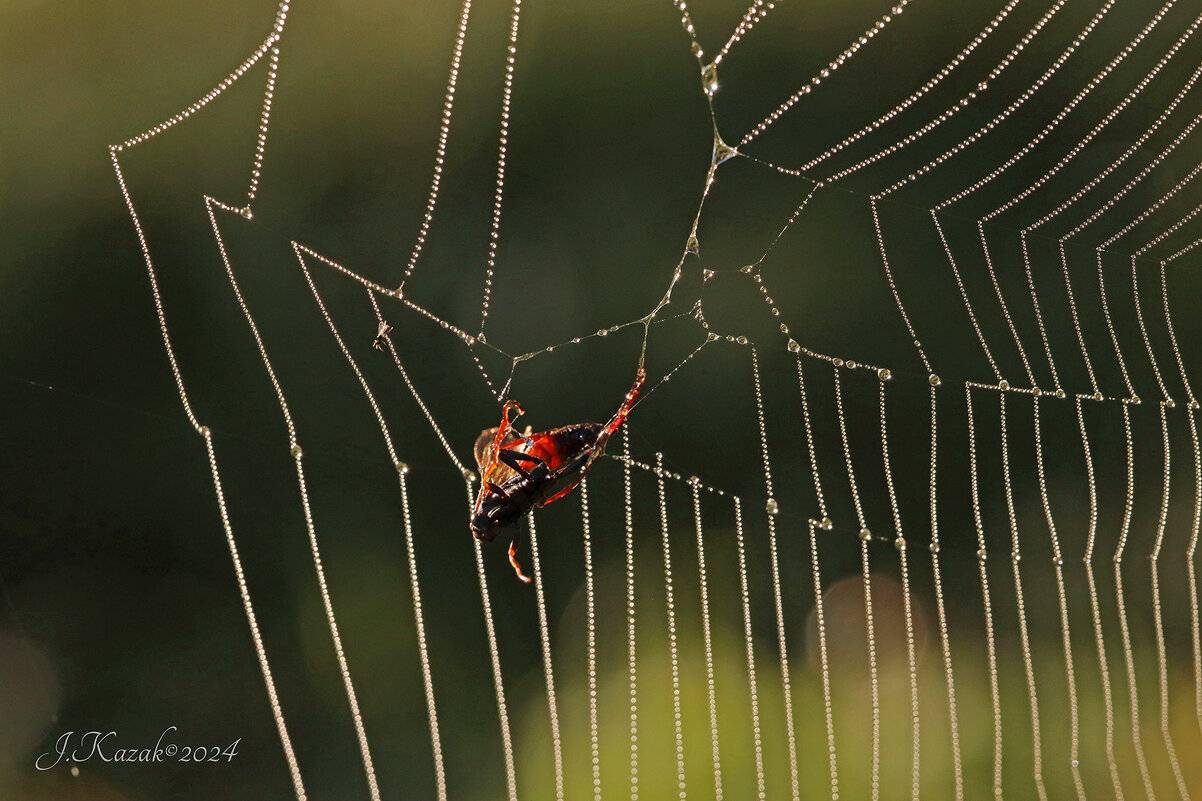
(617, 420)
(562, 492)
(513, 459)
(503, 431)
(495, 490)
(513, 549)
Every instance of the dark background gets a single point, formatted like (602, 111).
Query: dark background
(119, 608)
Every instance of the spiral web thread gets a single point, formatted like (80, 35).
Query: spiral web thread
(1153, 244)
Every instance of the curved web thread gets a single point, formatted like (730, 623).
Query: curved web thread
(822, 521)
(757, 734)
(1076, 149)
(709, 648)
(1162, 524)
(594, 731)
(1124, 627)
(302, 254)
(632, 652)
(1192, 548)
(1059, 394)
(1051, 126)
(924, 89)
(865, 537)
(1024, 637)
(269, 48)
(1161, 658)
(1009, 111)
(1117, 350)
(1120, 552)
(402, 472)
(826, 71)
(444, 136)
(494, 235)
(990, 638)
(772, 505)
(940, 605)
(900, 544)
(670, 602)
(1095, 605)
(1164, 405)
(548, 666)
(1081, 193)
(966, 101)
(297, 454)
(824, 661)
(1062, 598)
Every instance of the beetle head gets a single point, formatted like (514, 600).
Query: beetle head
(482, 527)
(493, 513)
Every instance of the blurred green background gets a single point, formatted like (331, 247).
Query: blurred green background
(120, 610)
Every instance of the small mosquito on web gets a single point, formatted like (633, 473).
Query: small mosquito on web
(519, 472)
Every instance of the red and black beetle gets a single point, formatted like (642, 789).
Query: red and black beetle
(519, 472)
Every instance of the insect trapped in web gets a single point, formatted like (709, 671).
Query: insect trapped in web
(519, 472)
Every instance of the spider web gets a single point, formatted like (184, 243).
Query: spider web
(905, 590)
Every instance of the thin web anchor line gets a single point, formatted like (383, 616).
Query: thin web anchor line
(721, 154)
